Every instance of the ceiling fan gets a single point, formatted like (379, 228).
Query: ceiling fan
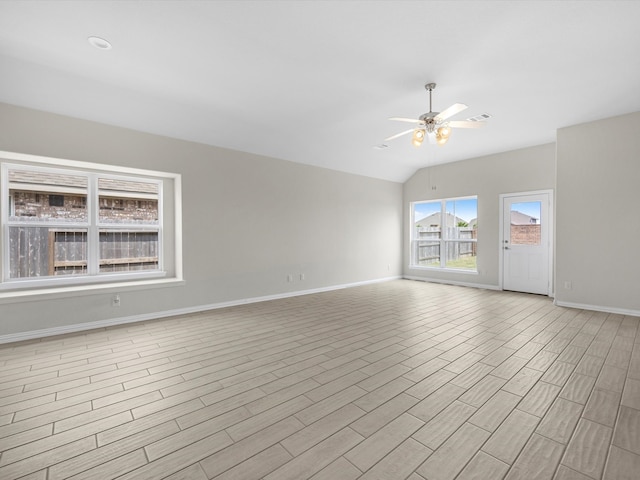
(435, 124)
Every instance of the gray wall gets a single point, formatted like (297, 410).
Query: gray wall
(487, 177)
(598, 214)
(248, 221)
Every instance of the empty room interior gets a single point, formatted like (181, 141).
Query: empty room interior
(291, 240)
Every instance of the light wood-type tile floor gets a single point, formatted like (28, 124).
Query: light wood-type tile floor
(395, 380)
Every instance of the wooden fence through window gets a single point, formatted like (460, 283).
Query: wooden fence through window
(44, 251)
(428, 244)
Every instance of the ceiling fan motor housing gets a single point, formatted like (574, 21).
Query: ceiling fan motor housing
(429, 121)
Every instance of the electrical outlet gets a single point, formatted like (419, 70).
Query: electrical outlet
(302, 276)
(289, 278)
(115, 301)
(567, 285)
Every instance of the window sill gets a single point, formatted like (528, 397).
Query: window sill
(447, 270)
(67, 291)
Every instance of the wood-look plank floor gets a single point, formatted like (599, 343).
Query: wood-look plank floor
(395, 380)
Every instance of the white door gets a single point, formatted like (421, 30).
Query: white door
(526, 242)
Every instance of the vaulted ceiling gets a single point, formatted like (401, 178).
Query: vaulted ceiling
(315, 81)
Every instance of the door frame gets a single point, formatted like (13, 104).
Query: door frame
(550, 221)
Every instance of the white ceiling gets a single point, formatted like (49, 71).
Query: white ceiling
(315, 81)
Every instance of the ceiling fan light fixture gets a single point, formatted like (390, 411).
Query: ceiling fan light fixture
(418, 137)
(442, 135)
(444, 131)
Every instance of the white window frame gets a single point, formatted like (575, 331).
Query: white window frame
(443, 241)
(169, 252)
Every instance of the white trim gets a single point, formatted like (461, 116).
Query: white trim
(32, 286)
(598, 308)
(31, 295)
(425, 268)
(452, 282)
(48, 332)
(177, 227)
(23, 157)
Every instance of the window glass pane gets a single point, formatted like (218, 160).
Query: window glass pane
(427, 252)
(461, 255)
(43, 196)
(525, 223)
(462, 212)
(128, 202)
(427, 215)
(125, 251)
(427, 233)
(46, 252)
(462, 224)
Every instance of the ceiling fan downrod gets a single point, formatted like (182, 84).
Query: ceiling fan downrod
(430, 87)
(429, 118)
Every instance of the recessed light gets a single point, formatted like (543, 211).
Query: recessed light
(99, 43)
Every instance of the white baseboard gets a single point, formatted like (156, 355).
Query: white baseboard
(598, 308)
(452, 282)
(78, 327)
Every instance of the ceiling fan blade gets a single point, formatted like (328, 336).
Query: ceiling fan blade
(451, 111)
(410, 120)
(466, 124)
(399, 134)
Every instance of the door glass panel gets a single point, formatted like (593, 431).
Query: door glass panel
(525, 223)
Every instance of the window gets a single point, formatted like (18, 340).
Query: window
(444, 233)
(56, 200)
(72, 226)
